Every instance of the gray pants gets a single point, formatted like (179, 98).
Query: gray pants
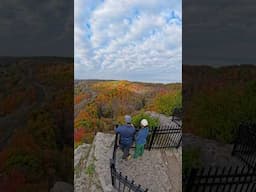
(125, 149)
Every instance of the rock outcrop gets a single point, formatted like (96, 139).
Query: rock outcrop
(92, 172)
(62, 187)
(157, 170)
(212, 153)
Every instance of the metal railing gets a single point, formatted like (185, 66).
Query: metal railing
(235, 179)
(245, 144)
(215, 179)
(159, 137)
(177, 115)
(164, 137)
(120, 182)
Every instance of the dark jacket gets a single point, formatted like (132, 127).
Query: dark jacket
(141, 136)
(126, 134)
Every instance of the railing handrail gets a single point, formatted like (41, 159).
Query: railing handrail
(115, 173)
(198, 178)
(245, 142)
(152, 132)
(115, 148)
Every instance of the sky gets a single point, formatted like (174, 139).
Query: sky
(219, 32)
(37, 28)
(136, 40)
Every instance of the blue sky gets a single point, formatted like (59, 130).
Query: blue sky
(136, 40)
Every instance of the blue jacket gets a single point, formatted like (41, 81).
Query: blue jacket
(126, 134)
(141, 137)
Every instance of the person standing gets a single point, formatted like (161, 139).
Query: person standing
(141, 139)
(126, 132)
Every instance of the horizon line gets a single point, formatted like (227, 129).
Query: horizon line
(134, 81)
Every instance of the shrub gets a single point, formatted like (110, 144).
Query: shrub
(216, 115)
(166, 103)
(79, 134)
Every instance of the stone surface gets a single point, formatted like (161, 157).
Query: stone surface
(172, 159)
(164, 120)
(103, 152)
(212, 152)
(81, 153)
(62, 187)
(157, 170)
(80, 160)
(93, 172)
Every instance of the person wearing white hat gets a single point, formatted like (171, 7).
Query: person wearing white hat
(141, 138)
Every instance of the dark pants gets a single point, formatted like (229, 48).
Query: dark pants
(125, 149)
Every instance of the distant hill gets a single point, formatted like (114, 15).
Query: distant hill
(216, 100)
(99, 104)
(111, 80)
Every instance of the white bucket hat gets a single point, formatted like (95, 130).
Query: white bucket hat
(144, 122)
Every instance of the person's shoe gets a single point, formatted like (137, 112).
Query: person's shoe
(129, 157)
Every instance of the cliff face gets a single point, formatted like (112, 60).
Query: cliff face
(158, 170)
(92, 172)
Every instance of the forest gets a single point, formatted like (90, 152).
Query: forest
(100, 105)
(36, 142)
(217, 100)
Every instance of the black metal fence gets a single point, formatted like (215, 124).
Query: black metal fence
(234, 179)
(164, 137)
(245, 144)
(120, 182)
(159, 137)
(177, 115)
(214, 179)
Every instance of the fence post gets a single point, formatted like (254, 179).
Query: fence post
(237, 138)
(173, 114)
(115, 148)
(152, 139)
(191, 177)
(112, 170)
(179, 141)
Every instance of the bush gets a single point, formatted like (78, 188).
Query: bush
(28, 162)
(153, 122)
(166, 103)
(217, 115)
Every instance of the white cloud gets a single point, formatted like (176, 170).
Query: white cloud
(121, 39)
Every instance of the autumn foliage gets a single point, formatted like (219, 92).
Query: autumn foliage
(217, 100)
(37, 113)
(111, 101)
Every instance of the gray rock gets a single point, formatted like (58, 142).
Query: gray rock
(164, 120)
(212, 153)
(62, 187)
(81, 152)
